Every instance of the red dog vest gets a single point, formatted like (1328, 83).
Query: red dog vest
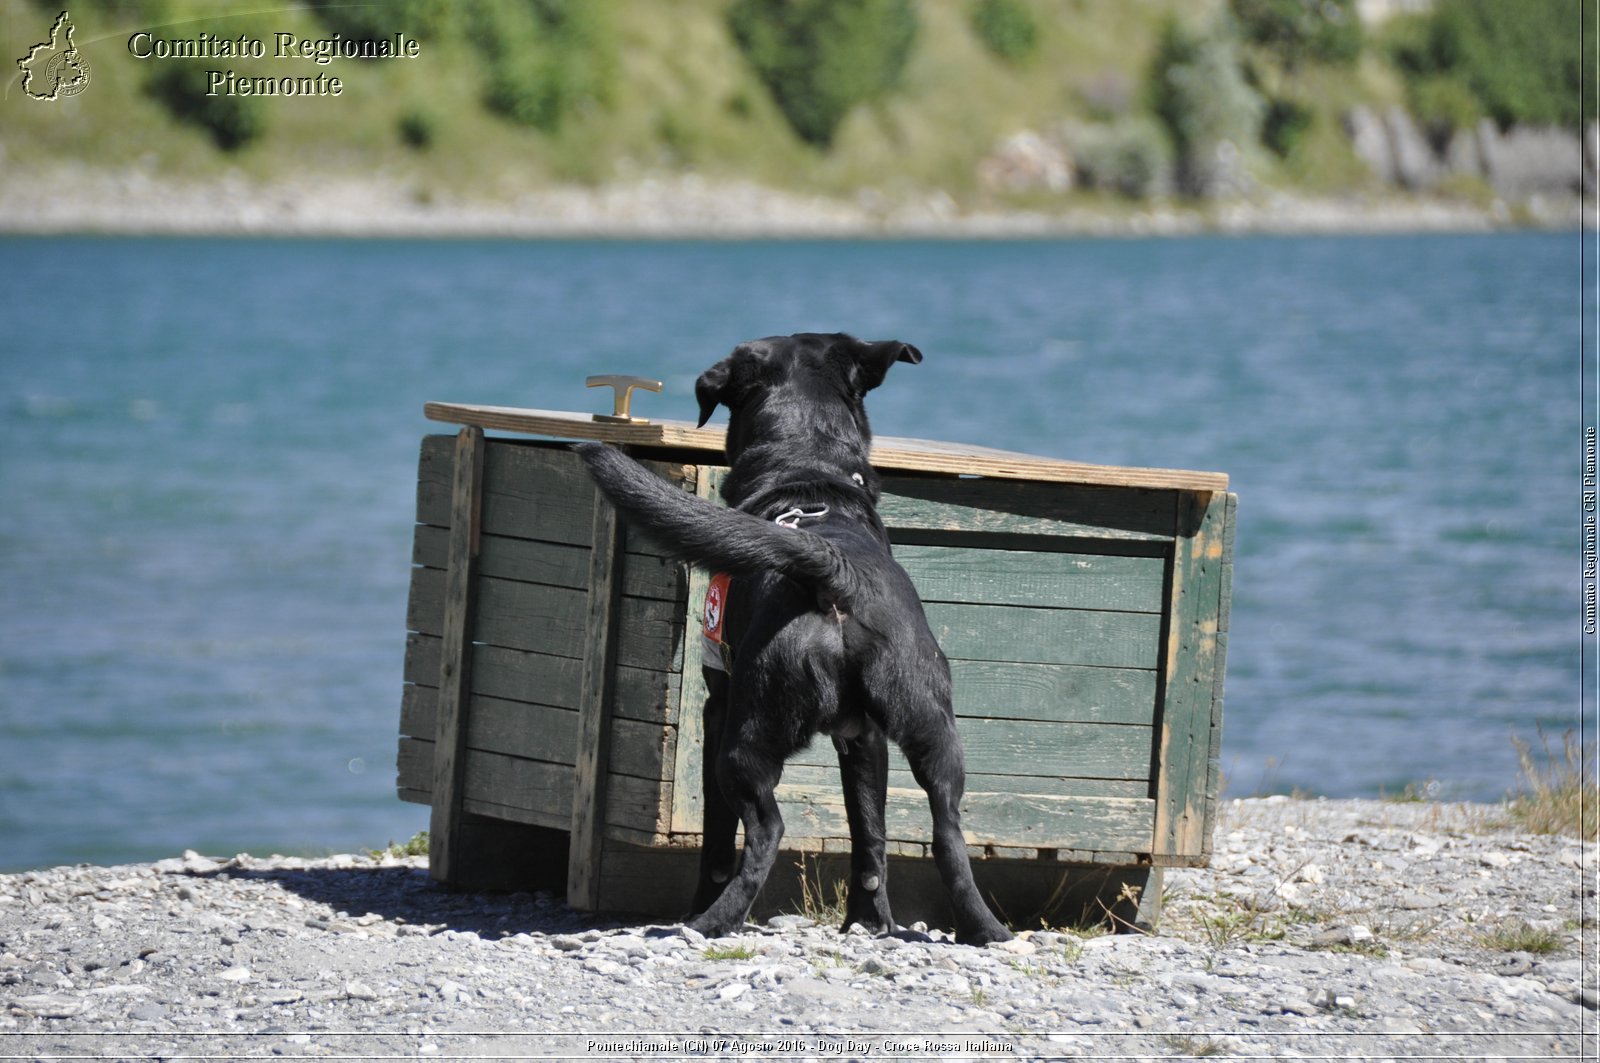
(715, 653)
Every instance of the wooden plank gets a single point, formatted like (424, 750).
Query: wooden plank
(816, 769)
(527, 616)
(602, 635)
(538, 678)
(1190, 680)
(1046, 636)
(994, 818)
(553, 564)
(687, 772)
(1214, 754)
(1058, 693)
(545, 732)
(535, 491)
(531, 791)
(450, 725)
(1000, 507)
(1028, 748)
(887, 451)
(1035, 577)
(435, 473)
(530, 492)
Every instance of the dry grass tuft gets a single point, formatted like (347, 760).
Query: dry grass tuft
(1560, 795)
(821, 904)
(1518, 936)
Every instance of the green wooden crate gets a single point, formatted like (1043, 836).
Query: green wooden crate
(551, 713)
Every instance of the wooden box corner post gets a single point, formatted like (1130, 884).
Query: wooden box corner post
(606, 559)
(445, 848)
(1191, 703)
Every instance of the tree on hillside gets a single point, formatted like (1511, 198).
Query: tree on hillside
(820, 58)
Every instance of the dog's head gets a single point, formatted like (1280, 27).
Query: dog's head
(810, 381)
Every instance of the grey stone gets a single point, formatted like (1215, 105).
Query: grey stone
(51, 1005)
(1370, 142)
(1523, 162)
(1415, 167)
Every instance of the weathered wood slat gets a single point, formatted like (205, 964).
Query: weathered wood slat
(530, 492)
(819, 772)
(1048, 750)
(527, 616)
(552, 564)
(1035, 577)
(688, 780)
(986, 818)
(456, 620)
(532, 791)
(603, 632)
(544, 732)
(542, 679)
(1001, 507)
(1046, 636)
(1188, 699)
(887, 451)
(1213, 788)
(1059, 693)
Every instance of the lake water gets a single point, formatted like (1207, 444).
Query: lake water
(207, 456)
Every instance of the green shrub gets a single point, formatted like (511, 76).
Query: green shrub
(1200, 96)
(417, 128)
(1442, 104)
(1284, 125)
(820, 58)
(423, 19)
(1006, 28)
(546, 59)
(1298, 31)
(232, 121)
(1130, 157)
(1522, 62)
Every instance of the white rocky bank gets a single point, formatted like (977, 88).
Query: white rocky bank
(1324, 929)
(83, 199)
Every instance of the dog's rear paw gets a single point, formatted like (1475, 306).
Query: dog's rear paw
(711, 928)
(982, 935)
(871, 926)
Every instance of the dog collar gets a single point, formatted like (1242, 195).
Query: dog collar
(791, 518)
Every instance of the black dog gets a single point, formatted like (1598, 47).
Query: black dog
(828, 633)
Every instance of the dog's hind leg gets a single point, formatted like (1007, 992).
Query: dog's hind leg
(748, 780)
(934, 754)
(864, 771)
(719, 856)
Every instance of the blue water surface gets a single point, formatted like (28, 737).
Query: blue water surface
(208, 447)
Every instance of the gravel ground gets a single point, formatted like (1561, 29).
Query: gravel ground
(1323, 930)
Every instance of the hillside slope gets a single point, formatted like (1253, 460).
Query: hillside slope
(507, 99)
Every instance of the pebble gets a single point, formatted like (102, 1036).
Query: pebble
(1381, 949)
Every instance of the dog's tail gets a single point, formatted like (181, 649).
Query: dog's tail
(715, 537)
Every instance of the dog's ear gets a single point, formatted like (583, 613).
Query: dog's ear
(712, 388)
(726, 381)
(873, 359)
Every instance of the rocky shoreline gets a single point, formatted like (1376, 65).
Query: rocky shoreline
(79, 199)
(1325, 929)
